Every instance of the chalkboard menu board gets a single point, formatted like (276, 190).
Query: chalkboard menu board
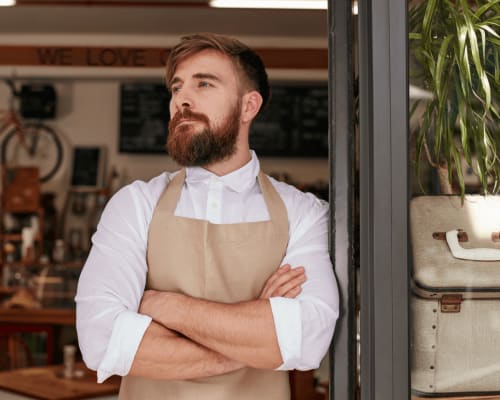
(144, 117)
(88, 164)
(295, 123)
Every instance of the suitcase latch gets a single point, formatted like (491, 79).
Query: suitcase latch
(450, 303)
(462, 236)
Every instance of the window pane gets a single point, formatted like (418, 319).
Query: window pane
(455, 276)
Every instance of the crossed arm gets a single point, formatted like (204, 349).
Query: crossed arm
(194, 338)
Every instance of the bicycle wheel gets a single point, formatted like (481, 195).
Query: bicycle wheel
(43, 149)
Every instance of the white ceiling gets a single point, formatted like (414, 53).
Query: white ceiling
(145, 18)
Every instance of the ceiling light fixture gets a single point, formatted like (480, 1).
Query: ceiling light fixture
(281, 4)
(7, 3)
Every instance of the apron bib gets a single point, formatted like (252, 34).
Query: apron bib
(218, 262)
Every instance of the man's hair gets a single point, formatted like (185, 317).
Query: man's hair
(247, 63)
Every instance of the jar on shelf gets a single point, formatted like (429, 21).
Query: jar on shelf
(59, 251)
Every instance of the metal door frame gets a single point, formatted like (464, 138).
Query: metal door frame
(383, 197)
(340, 85)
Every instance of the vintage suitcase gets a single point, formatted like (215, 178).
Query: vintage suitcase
(455, 305)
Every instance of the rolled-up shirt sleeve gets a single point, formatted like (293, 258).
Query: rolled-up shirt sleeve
(112, 283)
(305, 325)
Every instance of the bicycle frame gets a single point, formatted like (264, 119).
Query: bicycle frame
(9, 118)
(35, 139)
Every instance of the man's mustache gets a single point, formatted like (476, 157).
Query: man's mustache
(186, 113)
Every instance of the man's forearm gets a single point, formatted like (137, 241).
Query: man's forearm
(242, 331)
(164, 354)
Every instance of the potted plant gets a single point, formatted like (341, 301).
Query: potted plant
(455, 56)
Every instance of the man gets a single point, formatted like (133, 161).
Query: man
(239, 284)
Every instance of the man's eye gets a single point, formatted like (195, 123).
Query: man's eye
(175, 89)
(204, 84)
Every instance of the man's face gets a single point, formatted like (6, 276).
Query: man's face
(205, 110)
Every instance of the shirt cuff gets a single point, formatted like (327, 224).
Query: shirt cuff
(288, 327)
(128, 330)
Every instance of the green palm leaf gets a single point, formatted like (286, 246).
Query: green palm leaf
(455, 48)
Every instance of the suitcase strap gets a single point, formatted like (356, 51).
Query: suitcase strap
(477, 254)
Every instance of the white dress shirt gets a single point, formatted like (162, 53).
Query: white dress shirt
(112, 281)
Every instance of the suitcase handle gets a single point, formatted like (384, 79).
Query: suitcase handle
(477, 254)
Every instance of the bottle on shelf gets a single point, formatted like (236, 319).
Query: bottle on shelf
(59, 252)
(7, 273)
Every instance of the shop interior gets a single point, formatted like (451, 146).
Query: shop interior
(102, 125)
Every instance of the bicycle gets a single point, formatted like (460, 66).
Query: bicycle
(28, 143)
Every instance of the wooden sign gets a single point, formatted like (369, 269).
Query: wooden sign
(140, 57)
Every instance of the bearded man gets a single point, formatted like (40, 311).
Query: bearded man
(214, 280)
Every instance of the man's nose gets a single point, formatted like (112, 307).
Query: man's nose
(183, 100)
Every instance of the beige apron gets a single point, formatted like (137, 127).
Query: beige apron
(218, 262)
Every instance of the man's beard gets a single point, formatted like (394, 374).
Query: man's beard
(206, 146)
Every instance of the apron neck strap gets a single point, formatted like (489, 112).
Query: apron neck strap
(172, 195)
(275, 206)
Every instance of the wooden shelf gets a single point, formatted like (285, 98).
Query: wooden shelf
(49, 316)
(15, 237)
(38, 264)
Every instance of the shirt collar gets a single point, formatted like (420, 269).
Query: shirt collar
(238, 180)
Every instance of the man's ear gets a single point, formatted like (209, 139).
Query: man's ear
(250, 106)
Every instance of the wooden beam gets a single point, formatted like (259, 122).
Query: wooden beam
(142, 57)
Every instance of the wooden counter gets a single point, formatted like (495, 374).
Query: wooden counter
(48, 320)
(46, 383)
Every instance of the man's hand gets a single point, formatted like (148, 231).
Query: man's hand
(285, 282)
